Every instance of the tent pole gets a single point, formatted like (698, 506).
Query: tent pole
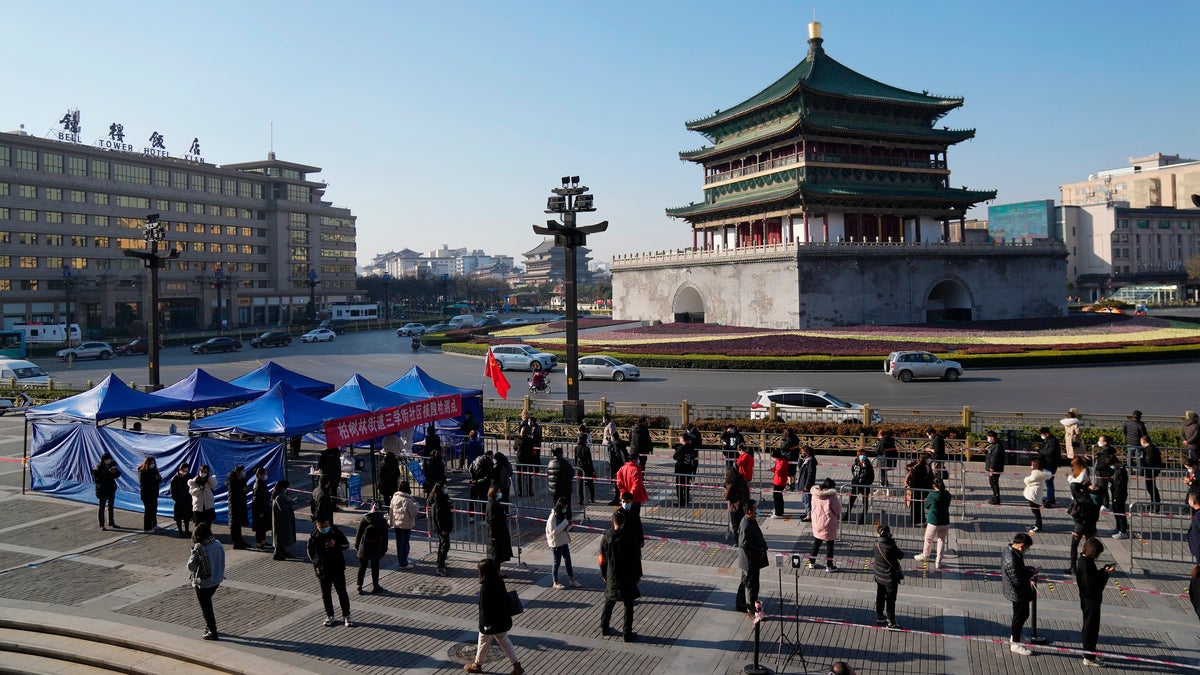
(374, 480)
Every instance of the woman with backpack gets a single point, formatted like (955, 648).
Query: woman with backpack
(206, 568)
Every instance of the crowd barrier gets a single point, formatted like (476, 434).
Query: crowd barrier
(1159, 532)
(470, 533)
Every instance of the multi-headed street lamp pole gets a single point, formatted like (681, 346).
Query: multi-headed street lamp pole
(153, 233)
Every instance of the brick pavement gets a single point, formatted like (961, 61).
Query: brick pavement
(52, 556)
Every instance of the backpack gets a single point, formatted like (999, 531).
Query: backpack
(375, 533)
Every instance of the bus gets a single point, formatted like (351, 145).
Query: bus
(354, 311)
(12, 344)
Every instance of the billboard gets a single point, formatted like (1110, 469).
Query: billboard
(1023, 221)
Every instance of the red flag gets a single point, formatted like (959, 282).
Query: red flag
(492, 372)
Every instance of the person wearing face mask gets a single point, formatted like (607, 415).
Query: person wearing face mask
(206, 568)
(499, 547)
(1118, 489)
(149, 483)
(325, 547)
(862, 476)
(633, 520)
(260, 509)
(1018, 587)
(183, 501)
(204, 509)
(558, 538)
(235, 486)
(105, 476)
(1051, 456)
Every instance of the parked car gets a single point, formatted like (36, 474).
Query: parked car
(318, 335)
(608, 368)
(217, 344)
(439, 328)
(272, 338)
(523, 357)
(557, 317)
(87, 350)
(410, 329)
(138, 346)
(518, 321)
(336, 325)
(805, 404)
(490, 314)
(487, 321)
(908, 366)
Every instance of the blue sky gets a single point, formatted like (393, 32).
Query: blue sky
(448, 123)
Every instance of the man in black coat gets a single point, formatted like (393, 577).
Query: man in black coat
(1152, 462)
(329, 464)
(1018, 587)
(235, 486)
(994, 463)
(730, 440)
(561, 477)
(1118, 487)
(621, 568)
(752, 557)
(325, 547)
(321, 505)
(1134, 429)
(1051, 456)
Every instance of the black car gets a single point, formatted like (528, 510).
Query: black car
(217, 344)
(274, 338)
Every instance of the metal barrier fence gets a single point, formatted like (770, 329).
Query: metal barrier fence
(1160, 533)
(901, 509)
(470, 533)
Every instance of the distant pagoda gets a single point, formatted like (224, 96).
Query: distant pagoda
(826, 154)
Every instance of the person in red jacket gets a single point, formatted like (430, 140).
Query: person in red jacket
(779, 481)
(629, 479)
(745, 463)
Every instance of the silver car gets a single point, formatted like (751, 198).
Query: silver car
(607, 368)
(87, 350)
(523, 357)
(909, 366)
(805, 404)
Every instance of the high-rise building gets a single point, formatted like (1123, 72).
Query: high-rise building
(252, 237)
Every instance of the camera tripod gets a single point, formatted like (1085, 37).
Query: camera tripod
(792, 645)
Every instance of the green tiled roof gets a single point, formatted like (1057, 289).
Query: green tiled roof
(943, 194)
(752, 198)
(780, 126)
(820, 72)
(880, 129)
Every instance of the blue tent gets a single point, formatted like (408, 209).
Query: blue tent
(202, 390)
(110, 399)
(269, 374)
(418, 383)
(359, 393)
(281, 412)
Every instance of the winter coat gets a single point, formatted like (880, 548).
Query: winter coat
(937, 508)
(826, 512)
(1017, 576)
(629, 479)
(441, 515)
(283, 521)
(634, 530)
(561, 475)
(206, 564)
(260, 506)
(886, 564)
(435, 472)
(752, 547)
(371, 540)
(493, 607)
(329, 464)
(389, 474)
(181, 496)
(639, 438)
(1087, 512)
(1191, 432)
(1072, 436)
(402, 511)
(321, 505)
(736, 493)
(1050, 454)
(583, 457)
(481, 472)
(745, 465)
(919, 476)
(779, 475)
(1035, 485)
(886, 452)
(622, 566)
(499, 547)
(502, 474)
(149, 483)
(523, 448)
(557, 530)
(1134, 430)
(1151, 457)
(236, 489)
(328, 561)
(806, 474)
(202, 495)
(862, 473)
(1118, 486)
(1092, 580)
(994, 457)
(730, 440)
(105, 478)
(686, 458)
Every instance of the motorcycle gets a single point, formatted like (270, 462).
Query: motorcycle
(416, 344)
(538, 387)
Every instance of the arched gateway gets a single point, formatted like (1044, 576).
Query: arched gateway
(948, 300)
(688, 306)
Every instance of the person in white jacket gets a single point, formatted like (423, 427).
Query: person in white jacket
(558, 538)
(402, 516)
(1035, 491)
(1072, 435)
(204, 506)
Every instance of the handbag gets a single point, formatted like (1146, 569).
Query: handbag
(896, 571)
(514, 604)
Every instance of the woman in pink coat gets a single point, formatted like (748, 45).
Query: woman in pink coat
(826, 513)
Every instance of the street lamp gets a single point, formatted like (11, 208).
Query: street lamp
(153, 233)
(566, 201)
(219, 282)
(68, 281)
(387, 296)
(312, 284)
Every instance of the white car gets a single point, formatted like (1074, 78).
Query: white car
(608, 368)
(519, 321)
(87, 350)
(908, 366)
(410, 329)
(318, 335)
(805, 404)
(523, 357)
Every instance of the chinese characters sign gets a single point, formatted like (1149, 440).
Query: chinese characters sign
(72, 133)
(379, 423)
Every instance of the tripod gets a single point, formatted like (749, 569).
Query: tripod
(793, 645)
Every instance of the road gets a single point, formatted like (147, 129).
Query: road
(1161, 388)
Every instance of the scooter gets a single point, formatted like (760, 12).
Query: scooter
(416, 344)
(542, 387)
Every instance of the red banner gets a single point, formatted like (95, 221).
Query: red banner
(368, 425)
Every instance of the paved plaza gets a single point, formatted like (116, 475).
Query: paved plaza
(59, 570)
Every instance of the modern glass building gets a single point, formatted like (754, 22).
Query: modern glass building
(252, 237)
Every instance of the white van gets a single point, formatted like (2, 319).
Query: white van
(26, 373)
(48, 333)
(462, 321)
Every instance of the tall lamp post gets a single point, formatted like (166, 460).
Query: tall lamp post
(387, 296)
(153, 233)
(568, 200)
(68, 282)
(219, 282)
(312, 284)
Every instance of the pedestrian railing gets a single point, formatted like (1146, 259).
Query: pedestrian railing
(901, 509)
(470, 533)
(1159, 532)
